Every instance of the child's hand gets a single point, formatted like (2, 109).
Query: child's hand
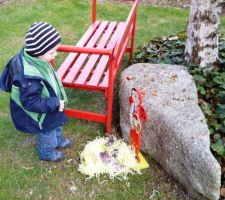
(62, 104)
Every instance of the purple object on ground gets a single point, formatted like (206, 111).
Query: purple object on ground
(105, 157)
(110, 140)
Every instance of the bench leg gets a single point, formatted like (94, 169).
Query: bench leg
(109, 111)
(109, 94)
(132, 39)
(132, 47)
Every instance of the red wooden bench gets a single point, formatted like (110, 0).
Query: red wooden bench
(95, 60)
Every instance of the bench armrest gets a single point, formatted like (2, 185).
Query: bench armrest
(93, 11)
(131, 19)
(75, 49)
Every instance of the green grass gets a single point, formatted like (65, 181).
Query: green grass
(22, 175)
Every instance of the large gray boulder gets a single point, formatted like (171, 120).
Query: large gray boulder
(176, 134)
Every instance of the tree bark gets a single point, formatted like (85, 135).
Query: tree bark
(202, 32)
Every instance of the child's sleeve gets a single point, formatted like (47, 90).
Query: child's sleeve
(32, 100)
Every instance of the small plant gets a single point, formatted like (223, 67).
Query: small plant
(210, 84)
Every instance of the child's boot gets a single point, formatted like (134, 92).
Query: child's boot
(55, 156)
(65, 143)
(61, 141)
(46, 144)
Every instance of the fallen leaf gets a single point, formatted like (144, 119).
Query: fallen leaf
(27, 167)
(91, 194)
(154, 93)
(73, 188)
(173, 38)
(153, 194)
(174, 77)
(129, 78)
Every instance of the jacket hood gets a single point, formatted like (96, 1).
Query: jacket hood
(11, 72)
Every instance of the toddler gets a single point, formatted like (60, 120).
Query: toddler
(37, 96)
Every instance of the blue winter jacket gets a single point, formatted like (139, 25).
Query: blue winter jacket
(30, 89)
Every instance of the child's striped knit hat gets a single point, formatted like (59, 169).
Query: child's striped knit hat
(40, 38)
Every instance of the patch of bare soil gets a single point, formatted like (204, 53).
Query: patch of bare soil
(2, 1)
(172, 3)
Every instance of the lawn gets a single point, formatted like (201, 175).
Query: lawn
(22, 174)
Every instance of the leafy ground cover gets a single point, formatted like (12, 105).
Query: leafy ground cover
(22, 175)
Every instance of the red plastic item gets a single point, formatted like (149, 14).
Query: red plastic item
(137, 115)
(95, 60)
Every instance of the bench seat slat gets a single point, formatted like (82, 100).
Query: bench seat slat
(98, 73)
(82, 57)
(72, 56)
(94, 58)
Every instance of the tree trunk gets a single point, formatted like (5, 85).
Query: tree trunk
(202, 32)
